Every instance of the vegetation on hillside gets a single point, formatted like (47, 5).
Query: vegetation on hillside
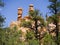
(33, 36)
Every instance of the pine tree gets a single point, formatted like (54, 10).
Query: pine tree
(55, 9)
(35, 17)
(2, 19)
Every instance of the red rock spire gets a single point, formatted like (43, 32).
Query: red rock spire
(19, 14)
(31, 7)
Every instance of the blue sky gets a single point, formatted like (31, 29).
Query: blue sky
(11, 6)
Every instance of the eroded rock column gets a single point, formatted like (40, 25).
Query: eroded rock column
(19, 14)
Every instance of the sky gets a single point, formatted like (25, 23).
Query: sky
(10, 9)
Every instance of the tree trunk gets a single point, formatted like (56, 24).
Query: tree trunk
(36, 31)
(57, 31)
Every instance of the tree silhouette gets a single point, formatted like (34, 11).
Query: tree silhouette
(2, 19)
